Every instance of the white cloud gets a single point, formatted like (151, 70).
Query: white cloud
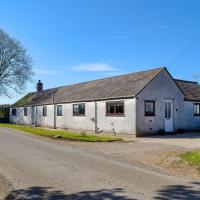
(113, 73)
(39, 71)
(94, 67)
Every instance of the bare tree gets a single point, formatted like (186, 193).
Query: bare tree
(15, 65)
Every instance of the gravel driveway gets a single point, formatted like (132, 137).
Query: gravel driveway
(186, 140)
(40, 168)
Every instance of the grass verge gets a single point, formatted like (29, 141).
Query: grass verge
(191, 157)
(64, 134)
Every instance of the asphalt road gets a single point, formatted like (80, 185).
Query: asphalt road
(40, 168)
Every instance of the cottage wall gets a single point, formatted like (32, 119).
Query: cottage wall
(159, 90)
(188, 120)
(20, 118)
(118, 124)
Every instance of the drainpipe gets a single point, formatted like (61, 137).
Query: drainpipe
(95, 116)
(54, 112)
(35, 115)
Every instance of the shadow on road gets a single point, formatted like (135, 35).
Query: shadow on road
(175, 192)
(40, 193)
(182, 192)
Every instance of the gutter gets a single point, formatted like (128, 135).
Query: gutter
(77, 101)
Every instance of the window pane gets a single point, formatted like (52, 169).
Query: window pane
(14, 112)
(59, 110)
(79, 109)
(149, 108)
(166, 114)
(82, 109)
(44, 110)
(120, 109)
(169, 109)
(75, 109)
(25, 111)
(110, 108)
(115, 108)
(197, 109)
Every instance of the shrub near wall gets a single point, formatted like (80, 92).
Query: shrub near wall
(4, 113)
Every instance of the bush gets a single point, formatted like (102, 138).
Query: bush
(179, 130)
(192, 157)
(4, 113)
(161, 132)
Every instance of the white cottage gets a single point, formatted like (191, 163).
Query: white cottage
(142, 103)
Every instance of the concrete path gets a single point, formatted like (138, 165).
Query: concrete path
(40, 168)
(185, 140)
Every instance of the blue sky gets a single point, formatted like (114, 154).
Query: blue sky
(72, 41)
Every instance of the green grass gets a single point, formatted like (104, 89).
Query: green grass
(191, 157)
(63, 134)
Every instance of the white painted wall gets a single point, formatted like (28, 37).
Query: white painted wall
(188, 120)
(121, 124)
(20, 118)
(160, 89)
(76, 122)
(41, 120)
(124, 124)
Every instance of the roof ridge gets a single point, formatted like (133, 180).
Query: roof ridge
(195, 82)
(161, 68)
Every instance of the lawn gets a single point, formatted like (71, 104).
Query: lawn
(192, 157)
(63, 134)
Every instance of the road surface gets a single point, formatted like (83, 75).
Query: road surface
(40, 168)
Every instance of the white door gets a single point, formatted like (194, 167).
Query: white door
(169, 116)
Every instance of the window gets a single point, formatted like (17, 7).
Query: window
(79, 109)
(197, 109)
(44, 111)
(25, 112)
(149, 108)
(115, 108)
(59, 110)
(14, 112)
(168, 106)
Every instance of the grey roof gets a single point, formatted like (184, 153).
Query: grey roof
(128, 85)
(190, 89)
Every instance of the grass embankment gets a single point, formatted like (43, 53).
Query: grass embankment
(62, 134)
(192, 158)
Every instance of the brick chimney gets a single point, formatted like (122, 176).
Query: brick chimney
(39, 86)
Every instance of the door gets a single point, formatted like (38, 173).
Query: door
(169, 124)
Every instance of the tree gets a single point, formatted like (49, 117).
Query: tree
(15, 65)
(4, 113)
